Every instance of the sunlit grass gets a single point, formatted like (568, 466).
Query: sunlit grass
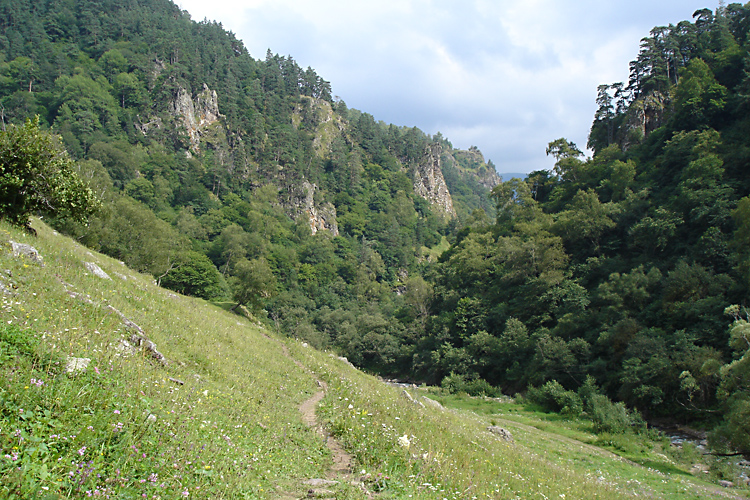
(221, 419)
(434, 253)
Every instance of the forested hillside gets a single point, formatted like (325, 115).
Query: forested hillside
(227, 177)
(627, 270)
(231, 178)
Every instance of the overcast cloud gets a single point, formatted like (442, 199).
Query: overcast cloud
(507, 77)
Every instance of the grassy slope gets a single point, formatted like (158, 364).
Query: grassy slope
(233, 430)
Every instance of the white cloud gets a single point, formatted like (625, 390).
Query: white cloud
(505, 76)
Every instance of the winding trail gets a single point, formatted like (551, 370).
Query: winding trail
(342, 468)
(343, 462)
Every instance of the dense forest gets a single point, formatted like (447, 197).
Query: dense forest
(623, 275)
(228, 177)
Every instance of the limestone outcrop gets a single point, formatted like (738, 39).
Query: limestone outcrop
(196, 114)
(645, 115)
(321, 217)
(429, 182)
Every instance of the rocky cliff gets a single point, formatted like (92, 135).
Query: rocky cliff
(321, 217)
(196, 114)
(429, 182)
(328, 124)
(471, 162)
(644, 115)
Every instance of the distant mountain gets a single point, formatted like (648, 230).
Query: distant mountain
(512, 175)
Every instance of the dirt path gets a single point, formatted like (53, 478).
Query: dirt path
(343, 462)
(342, 469)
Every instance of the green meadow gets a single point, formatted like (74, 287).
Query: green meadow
(220, 416)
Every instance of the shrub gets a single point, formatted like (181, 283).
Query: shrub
(553, 397)
(610, 417)
(472, 385)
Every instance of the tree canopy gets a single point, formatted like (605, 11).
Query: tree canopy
(37, 176)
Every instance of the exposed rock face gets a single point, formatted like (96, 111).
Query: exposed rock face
(320, 217)
(646, 114)
(471, 162)
(429, 182)
(153, 123)
(196, 114)
(489, 178)
(328, 125)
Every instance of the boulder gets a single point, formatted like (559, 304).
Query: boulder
(96, 271)
(124, 349)
(24, 250)
(433, 403)
(320, 482)
(411, 399)
(500, 432)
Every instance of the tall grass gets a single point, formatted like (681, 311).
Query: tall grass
(122, 428)
(221, 418)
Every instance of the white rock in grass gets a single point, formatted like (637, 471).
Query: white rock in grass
(433, 403)
(320, 482)
(403, 441)
(502, 433)
(124, 349)
(97, 271)
(74, 366)
(24, 250)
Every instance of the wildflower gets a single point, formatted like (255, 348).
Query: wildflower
(82, 451)
(117, 412)
(404, 441)
(185, 493)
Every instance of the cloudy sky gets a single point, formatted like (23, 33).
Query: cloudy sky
(505, 76)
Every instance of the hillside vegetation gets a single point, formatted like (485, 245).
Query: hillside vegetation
(219, 415)
(626, 272)
(609, 290)
(228, 177)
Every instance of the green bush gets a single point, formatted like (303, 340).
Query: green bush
(553, 397)
(610, 417)
(471, 385)
(607, 416)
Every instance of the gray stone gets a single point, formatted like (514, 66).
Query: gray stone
(500, 432)
(96, 271)
(124, 349)
(320, 482)
(321, 494)
(24, 250)
(74, 366)
(411, 399)
(342, 358)
(726, 484)
(433, 403)
(196, 114)
(429, 182)
(320, 217)
(6, 289)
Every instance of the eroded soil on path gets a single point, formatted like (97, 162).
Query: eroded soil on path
(342, 468)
